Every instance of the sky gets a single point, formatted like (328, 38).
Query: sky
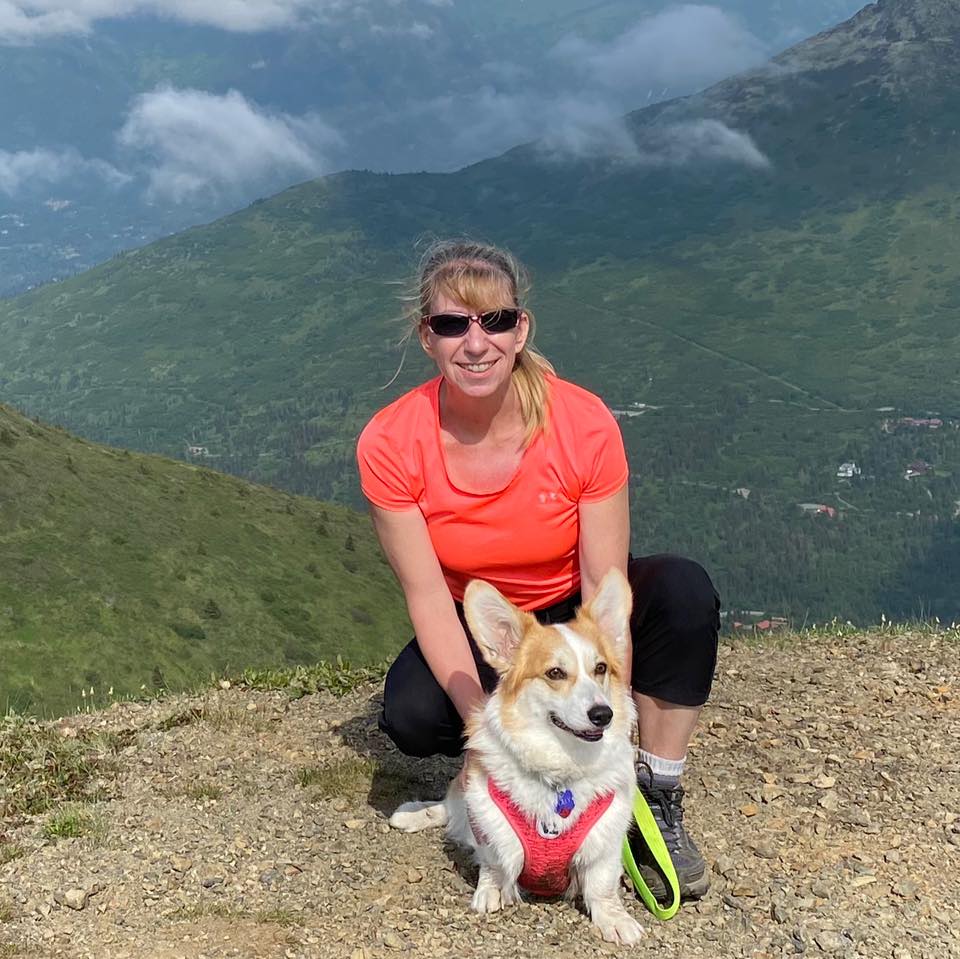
(308, 87)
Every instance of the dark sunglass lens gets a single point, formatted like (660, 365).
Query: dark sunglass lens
(499, 321)
(449, 324)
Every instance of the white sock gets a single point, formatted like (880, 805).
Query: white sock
(665, 772)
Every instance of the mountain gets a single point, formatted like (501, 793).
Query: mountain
(122, 133)
(762, 278)
(136, 572)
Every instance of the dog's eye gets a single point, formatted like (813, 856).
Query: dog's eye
(600, 670)
(556, 673)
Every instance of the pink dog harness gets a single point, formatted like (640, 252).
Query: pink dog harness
(546, 862)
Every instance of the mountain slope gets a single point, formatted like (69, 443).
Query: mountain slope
(771, 267)
(122, 570)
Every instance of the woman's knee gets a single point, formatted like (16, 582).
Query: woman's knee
(416, 713)
(678, 589)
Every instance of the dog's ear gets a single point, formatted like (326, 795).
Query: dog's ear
(496, 624)
(610, 609)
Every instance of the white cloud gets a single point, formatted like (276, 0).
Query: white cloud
(681, 48)
(23, 170)
(22, 21)
(204, 143)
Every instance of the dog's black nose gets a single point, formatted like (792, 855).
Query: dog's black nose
(600, 716)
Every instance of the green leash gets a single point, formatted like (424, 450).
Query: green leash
(650, 833)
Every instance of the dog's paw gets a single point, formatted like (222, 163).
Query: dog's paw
(487, 898)
(619, 926)
(414, 816)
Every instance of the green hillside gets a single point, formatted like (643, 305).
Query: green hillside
(123, 570)
(777, 318)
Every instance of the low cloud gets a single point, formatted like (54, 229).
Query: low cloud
(22, 21)
(681, 48)
(23, 170)
(196, 143)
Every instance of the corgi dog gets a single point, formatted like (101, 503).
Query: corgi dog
(546, 792)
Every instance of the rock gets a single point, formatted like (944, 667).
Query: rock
(750, 809)
(778, 913)
(180, 863)
(414, 875)
(765, 850)
(829, 801)
(745, 890)
(724, 866)
(825, 782)
(73, 898)
(907, 889)
(830, 941)
(354, 823)
(392, 941)
(892, 855)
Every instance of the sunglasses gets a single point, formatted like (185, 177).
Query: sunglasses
(457, 324)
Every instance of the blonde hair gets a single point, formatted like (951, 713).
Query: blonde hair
(477, 274)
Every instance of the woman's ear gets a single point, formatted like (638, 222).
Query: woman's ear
(423, 334)
(523, 331)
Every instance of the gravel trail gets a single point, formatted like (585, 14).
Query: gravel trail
(823, 786)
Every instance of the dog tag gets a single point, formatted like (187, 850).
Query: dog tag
(547, 830)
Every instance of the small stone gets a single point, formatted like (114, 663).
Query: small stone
(830, 941)
(825, 782)
(750, 809)
(745, 890)
(778, 913)
(862, 881)
(764, 850)
(74, 898)
(907, 889)
(821, 890)
(392, 941)
(180, 863)
(901, 953)
(414, 875)
(354, 823)
(829, 801)
(892, 855)
(724, 866)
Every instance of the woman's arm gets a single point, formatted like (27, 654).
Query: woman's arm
(604, 542)
(440, 634)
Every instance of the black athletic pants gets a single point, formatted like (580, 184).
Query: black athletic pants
(674, 626)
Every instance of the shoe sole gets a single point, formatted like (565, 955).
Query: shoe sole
(695, 889)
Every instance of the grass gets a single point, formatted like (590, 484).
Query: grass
(338, 677)
(122, 575)
(70, 822)
(40, 768)
(199, 792)
(9, 851)
(355, 777)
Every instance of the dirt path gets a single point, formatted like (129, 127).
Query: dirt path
(824, 786)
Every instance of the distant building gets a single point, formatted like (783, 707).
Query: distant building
(917, 468)
(848, 471)
(742, 491)
(818, 509)
(198, 451)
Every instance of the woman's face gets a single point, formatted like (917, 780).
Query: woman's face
(478, 363)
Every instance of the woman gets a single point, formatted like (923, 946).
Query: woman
(498, 469)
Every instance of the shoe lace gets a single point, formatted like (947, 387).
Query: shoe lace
(670, 804)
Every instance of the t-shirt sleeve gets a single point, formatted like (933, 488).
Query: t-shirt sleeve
(604, 461)
(383, 476)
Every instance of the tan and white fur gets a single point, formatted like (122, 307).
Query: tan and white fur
(529, 737)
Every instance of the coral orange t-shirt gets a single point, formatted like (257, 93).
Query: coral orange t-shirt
(523, 538)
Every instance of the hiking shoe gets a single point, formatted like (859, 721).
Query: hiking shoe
(666, 804)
